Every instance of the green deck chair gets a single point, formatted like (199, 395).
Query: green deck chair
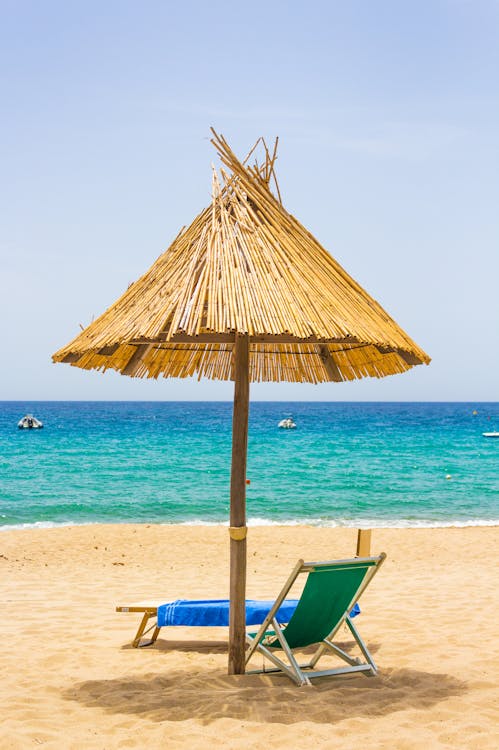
(330, 592)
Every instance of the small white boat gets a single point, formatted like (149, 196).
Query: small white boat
(287, 424)
(29, 422)
(491, 434)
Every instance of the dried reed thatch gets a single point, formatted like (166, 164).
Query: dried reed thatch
(245, 266)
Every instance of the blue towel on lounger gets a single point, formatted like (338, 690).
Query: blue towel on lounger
(215, 612)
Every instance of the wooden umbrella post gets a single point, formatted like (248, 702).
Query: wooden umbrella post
(237, 617)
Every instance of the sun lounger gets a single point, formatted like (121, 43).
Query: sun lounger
(325, 605)
(197, 613)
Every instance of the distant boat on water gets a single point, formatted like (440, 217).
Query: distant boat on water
(491, 434)
(29, 422)
(287, 424)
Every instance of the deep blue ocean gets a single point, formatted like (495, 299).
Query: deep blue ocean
(376, 464)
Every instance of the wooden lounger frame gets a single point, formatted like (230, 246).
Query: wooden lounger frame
(148, 610)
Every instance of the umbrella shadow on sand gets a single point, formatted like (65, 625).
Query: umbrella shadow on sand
(207, 696)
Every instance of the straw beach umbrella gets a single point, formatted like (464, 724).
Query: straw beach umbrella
(245, 293)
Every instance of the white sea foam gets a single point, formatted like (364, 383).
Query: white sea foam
(355, 523)
(376, 523)
(367, 523)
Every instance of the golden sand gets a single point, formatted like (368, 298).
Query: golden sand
(71, 680)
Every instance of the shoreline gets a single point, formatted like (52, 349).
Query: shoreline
(259, 523)
(72, 680)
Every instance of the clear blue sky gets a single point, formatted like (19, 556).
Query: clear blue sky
(387, 114)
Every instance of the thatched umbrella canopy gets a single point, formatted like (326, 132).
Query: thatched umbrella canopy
(245, 293)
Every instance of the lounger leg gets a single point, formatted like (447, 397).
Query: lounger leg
(155, 635)
(140, 632)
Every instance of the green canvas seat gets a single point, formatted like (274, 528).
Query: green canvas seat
(329, 594)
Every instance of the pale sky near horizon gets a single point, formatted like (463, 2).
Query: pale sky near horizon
(387, 116)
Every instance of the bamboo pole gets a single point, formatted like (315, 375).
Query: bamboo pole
(237, 617)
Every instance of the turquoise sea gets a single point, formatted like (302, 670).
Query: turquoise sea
(376, 464)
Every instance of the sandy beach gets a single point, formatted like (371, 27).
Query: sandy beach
(70, 678)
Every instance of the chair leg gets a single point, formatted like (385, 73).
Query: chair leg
(280, 666)
(302, 679)
(362, 646)
(292, 670)
(328, 645)
(315, 658)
